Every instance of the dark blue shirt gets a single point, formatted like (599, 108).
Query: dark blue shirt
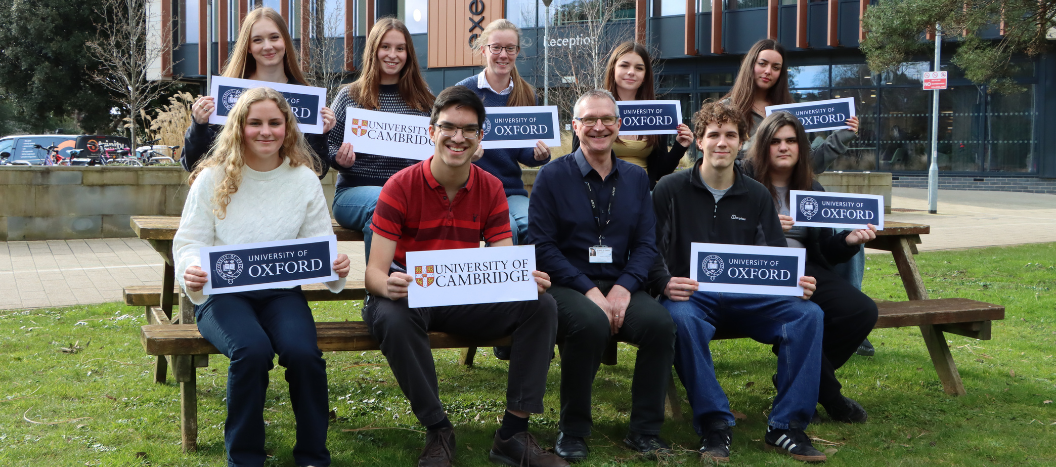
(561, 223)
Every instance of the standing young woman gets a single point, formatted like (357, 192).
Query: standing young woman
(258, 184)
(780, 160)
(499, 85)
(390, 81)
(762, 82)
(263, 52)
(629, 77)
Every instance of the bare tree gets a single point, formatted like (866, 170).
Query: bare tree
(582, 35)
(324, 63)
(125, 45)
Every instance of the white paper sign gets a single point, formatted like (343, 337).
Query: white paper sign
(650, 117)
(307, 102)
(837, 210)
(819, 115)
(763, 270)
(269, 265)
(520, 127)
(471, 276)
(388, 134)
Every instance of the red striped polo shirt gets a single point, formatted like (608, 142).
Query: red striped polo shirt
(413, 211)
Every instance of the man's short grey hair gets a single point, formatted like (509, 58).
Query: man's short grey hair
(594, 94)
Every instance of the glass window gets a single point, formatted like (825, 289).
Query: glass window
(717, 79)
(1010, 125)
(526, 13)
(664, 82)
(810, 95)
(190, 21)
(861, 153)
(360, 12)
(414, 14)
(907, 73)
(744, 4)
(577, 11)
(810, 76)
(852, 75)
(671, 7)
(788, 2)
(704, 6)
(904, 129)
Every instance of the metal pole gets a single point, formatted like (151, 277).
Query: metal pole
(209, 47)
(546, 56)
(933, 171)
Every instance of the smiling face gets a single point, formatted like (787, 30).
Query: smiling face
(784, 149)
(263, 134)
(596, 139)
(266, 44)
(500, 65)
(630, 72)
(454, 151)
(720, 144)
(767, 69)
(392, 56)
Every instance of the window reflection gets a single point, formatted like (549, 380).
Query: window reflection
(415, 14)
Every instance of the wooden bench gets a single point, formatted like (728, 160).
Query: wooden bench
(183, 343)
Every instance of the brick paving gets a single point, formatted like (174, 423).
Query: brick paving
(78, 272)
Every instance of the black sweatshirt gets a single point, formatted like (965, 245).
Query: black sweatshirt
(686, 212)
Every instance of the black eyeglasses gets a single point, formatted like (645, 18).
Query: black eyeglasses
(591, 121)
(468, 131)
(497, 49)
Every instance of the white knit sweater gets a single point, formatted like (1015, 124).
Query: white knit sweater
(282, 204)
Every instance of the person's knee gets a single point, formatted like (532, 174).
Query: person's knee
(256, 355)
(587, 326)
(391, 320)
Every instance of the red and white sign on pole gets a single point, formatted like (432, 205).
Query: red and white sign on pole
(934, 80)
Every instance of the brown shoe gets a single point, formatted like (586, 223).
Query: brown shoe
(439, 448)
(521, 450)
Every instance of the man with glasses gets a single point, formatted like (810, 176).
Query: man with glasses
(446, 202)
(592, 223)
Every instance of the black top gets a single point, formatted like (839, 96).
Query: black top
(744, 216)
(562, 224)
(661, 160)
(200, 137)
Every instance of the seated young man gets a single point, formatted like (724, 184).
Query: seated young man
(446, 202)
(592, 223)
(741, 213)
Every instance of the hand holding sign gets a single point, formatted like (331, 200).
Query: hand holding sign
(862, 236)
(195, 278)
(202, 108)
(809, 285)
(680, 289)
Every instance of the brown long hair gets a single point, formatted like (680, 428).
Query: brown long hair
(646, 92)
(365, 90)
(241, 64)
(743, 92)
(759, 155)
(523, 94)
(227, 155)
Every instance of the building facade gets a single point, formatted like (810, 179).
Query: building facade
(699, 45)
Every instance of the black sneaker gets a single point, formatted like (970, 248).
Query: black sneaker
(846, 410)
(502, 353)
(793, 442)
(866, 349)
(649, 446)
(715, 444)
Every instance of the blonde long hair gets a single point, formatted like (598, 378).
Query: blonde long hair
(241, 63)
(523, 94)
(413, 90)
(228, 154)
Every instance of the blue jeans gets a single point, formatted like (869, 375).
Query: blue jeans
(518, 217)
(250, 328)
(792, 322)
(354, 209)
(854, 269)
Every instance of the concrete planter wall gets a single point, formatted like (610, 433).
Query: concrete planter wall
(51, 203)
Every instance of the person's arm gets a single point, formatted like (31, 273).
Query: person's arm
(197, 229)
(528, 156)
(642, 244)
(542, 223)
(659, 275)
(834, 146)
(336, 136)
(317, 224)
(196, 143)
(378, 280)
(664, 160)
(769, 232)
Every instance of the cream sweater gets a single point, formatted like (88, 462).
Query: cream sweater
(282, 204)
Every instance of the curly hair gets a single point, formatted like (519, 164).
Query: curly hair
(720, 113)
(228, 154)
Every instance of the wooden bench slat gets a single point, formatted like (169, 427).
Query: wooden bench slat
(164, 228)
(150, 295)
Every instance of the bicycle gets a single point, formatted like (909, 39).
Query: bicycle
(118, 157)
(52, 155)
(148, 154)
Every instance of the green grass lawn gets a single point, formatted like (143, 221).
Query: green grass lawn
(75, 388)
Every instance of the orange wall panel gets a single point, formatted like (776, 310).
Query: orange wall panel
(451, 25)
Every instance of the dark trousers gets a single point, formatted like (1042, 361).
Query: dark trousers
(403, 333)
(250, 328)
(849, 317)
(586, 332)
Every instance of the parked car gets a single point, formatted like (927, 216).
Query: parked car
(31, 149)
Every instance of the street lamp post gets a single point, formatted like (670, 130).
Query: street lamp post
(546, 53)
(933, 170)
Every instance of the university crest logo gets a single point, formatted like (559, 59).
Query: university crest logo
(809, 207)
(229, 267)
(485, 129)
(713, 266)
(358, 127)
(230, 98)
(426, 278)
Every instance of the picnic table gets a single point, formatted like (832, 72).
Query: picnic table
(176, 339)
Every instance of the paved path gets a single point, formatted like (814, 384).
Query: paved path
(74, 272)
